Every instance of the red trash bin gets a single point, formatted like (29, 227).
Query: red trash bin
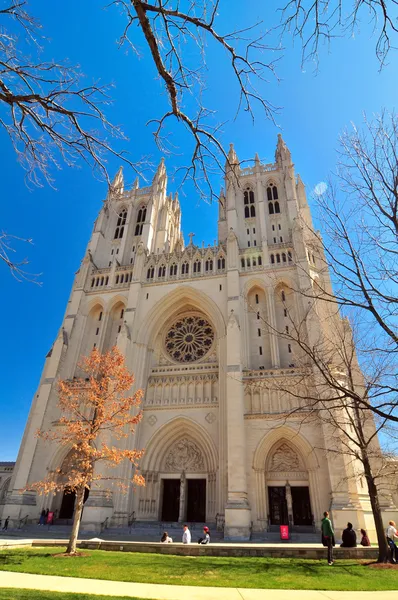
(284, 531)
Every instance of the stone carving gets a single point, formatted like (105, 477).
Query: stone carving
(285, 459)
(184, 456)
(152, 420)
(210, 417)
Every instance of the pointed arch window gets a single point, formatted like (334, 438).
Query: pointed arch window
(272, 259)
(270, 208)
(248, 201)
(196, 266)
(208, 265)
(272, 192)
(162, 271)
(221, 263)
(121, 222)
(150, 273)
(185, 268)
(141, 216)
(173, 270)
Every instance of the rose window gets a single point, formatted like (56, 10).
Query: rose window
(189, 339)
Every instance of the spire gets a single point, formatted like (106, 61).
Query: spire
(257, 160)
(117, 184)
(282, 153)
(160, 170)
(136, 183)
(232, 157)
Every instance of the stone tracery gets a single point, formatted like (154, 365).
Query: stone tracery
(189, 339)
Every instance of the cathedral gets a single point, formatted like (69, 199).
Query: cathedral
(220, 447)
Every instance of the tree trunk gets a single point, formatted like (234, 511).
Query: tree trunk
(374, 501)
(71, 549)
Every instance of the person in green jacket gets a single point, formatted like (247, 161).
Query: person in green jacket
(328, 534)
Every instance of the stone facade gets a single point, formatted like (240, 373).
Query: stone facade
(219, 446)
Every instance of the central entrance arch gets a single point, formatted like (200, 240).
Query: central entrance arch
(180, 468)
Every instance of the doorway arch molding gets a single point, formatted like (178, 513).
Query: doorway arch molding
(169, 434)
(261, 456)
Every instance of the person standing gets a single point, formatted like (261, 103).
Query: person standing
(42, 519)
(186, 536)
(6, 524)
(328, 534)
(391, 533)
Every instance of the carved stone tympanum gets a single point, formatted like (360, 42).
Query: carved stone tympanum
(184, 456)
(285, 459)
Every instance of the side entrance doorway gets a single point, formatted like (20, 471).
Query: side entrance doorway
(193, 509)
(298, 506)
(68, 504)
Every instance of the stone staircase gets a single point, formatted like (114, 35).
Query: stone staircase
(273, 537)
(140, 531)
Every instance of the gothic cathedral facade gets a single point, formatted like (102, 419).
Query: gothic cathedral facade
(219, 446)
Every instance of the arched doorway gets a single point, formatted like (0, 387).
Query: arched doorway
(289, 501)
(68, 503)
(64, 502)
(180, 469)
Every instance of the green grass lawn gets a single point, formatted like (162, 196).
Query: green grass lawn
(282, 573)
(16, 594)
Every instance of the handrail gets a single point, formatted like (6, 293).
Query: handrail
(104, 525)
(131, 520)
(21, 520)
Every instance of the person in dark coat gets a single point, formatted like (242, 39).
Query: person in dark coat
(365, 541)
(328, 534)
(349, 537)
(6, 524)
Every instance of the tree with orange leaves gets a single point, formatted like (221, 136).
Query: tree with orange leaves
(94, 410)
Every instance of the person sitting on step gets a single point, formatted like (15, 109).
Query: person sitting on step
(165, 539)
(206, 538)
(349, 537)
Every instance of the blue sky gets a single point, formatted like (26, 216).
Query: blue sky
(315, 108)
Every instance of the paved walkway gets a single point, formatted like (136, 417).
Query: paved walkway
(172, 592)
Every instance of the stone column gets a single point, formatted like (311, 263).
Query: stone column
(289, 502)
(275, 359)
(183, 484)
(237, 510)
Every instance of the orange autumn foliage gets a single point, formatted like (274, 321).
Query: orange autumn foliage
(95, 411)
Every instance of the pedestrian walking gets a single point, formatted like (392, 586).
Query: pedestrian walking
(328, 534)
(391, 533)
(6, 524)
(186, 536)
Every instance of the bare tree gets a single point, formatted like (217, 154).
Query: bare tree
(51, 117)
(329, 387)
(318, 21)
(16, 266)
(182, 38)
(359, 249)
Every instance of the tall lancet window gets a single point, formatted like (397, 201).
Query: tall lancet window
(248, 201)
(272, 197)
(141, 216)
(121, 222)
